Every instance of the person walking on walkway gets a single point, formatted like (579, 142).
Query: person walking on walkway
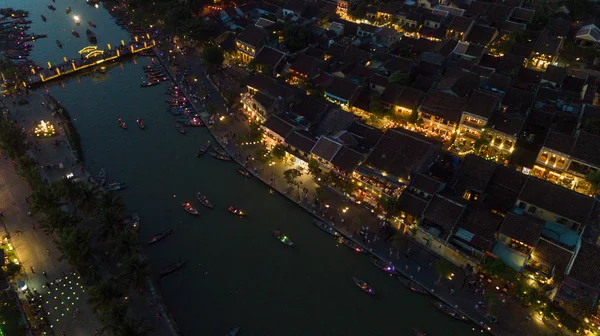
(32, 270)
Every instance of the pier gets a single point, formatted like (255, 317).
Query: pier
(88, 57)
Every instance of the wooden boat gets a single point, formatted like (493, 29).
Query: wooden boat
(244, 172)
(194, 122)
(203, 200)
(233, 332)
(203, 149)
(180, 128)
(52, 8)
(326, 227)
(283, 238)
(382, 265)
(91, 36)
(92, 24)
(363, 286)
(43, 18)
(68, 10)
(76, 34)
(159, 236)
(122, 124)
(140, 123)
(221, 151)
(235, 211)
(172, 268)
(59, 44)
(352, 245)
(187, 206)
(135, 221)
(449, 310)
(115, 186)
(412, 285)
(221, 157)
(101, 179)
(149, 83)
(415, 332)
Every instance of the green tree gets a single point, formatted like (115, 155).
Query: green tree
(314, 167)
(136, 271)
(70, 191)
(74, 245)
(12, 269)
(132, 326)
(278, 151)
(90, 197)
(496, 267)
(213, 56)
(594, 178)
(125, 244)
(443, 269)
(262, 155)
(112, 202)
(389, 205)
(291, 177)
(12, 140)
(399, 77)
(592, 125)
(320, 194)
(102, 293)
(43, 199)
(375, 105)
(28, 168)
(57, 220)
(211, 108)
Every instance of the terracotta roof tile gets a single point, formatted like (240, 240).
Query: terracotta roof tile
(524, 228)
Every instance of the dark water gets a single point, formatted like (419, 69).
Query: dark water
(247, 278)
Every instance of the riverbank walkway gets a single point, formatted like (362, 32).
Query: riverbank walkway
(88, 57)
(410, 258)
(35, 249)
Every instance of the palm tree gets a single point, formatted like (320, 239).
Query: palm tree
(90, 194)
(68, 190)
(112, 314)
(43, 198)
(103, 293)
(74, 245)
(56, 219)
(136, 271)
(108, 223)
(125, 244)
(110, 200)
(131, 326)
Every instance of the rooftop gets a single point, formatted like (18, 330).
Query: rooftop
(301, 140)
(400, 152)
(460, 24)
(474, 174)
(478, 227)
(555, 74)
(524, 228)
(278, 126)
(425, 183)
(444, 105)
(556, 199)
(552, 256)
(585, 268)
(347, 159)
(342, 88)
(269, 56)
(443, 213)
(253, 36)
(326, 148)
(412, 204)
(482, 104)
(548, 44)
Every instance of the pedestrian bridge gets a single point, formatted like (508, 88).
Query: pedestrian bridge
(89, 57)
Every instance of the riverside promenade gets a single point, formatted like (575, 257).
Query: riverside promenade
(36, 249)
(411, 259)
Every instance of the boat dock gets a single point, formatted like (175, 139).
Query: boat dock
(89, 57)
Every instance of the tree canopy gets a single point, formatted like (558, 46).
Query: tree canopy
(213, 55)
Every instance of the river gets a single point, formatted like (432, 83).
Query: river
(247, 278)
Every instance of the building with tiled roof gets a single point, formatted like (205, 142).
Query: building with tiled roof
(399, 153)
(441, 113)
(441, 216)
(249, 42)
